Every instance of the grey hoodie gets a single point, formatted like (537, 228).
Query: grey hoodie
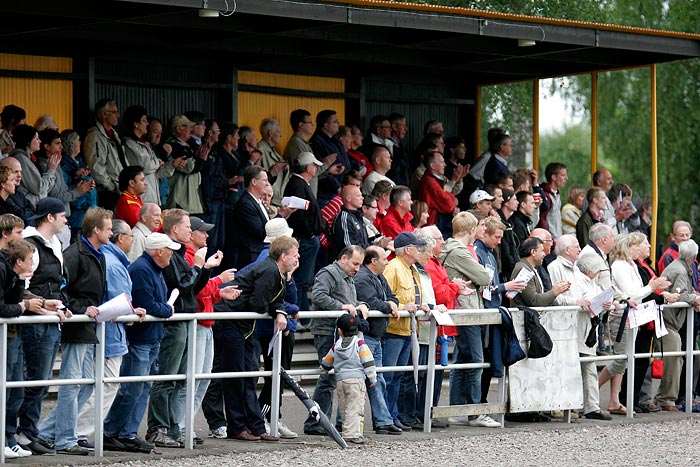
(350, 358)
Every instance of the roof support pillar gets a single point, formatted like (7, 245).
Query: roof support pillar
(654, 168)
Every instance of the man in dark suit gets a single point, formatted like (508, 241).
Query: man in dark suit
(497, 165)
(250, 216)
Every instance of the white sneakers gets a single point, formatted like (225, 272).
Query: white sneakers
(16, 451)
(283, 430)
(484, 421)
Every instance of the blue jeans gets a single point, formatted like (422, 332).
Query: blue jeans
(325, 386)
(129, 407)
(304, 275)
(60, 424)
(15, 396)
(204, 358)
(380, 412)
(40, 343)
(422, 383)
(397, 350)
(465, 385)
(172, 360)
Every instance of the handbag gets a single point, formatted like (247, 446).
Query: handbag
(657, 364)
(540, 344)
(512, 352)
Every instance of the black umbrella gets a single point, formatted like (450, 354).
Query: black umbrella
(314, 409)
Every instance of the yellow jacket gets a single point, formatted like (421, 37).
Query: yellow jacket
(400, 277)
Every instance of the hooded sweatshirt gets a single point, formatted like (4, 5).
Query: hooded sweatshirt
(350, 358)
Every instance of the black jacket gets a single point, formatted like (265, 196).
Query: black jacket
(508, 249)
(262, 291)
(188, 279)
(307, 223)
(85, 286)
(48, 277)
(375, 291)
(249, 222)
(11, 290)
(521, 225)
(348, 229)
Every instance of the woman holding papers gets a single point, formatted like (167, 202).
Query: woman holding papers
(645, 333)
(625, 276)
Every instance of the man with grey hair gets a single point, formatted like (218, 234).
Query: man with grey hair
(149, 222)
(680, 274)
(272, 161)
(104, 153)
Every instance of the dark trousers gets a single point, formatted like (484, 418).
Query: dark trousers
(213, 403)
(241, 401)
(265, 398)
(641, 365)
(325, 386)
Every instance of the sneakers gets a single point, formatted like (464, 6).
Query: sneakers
(161, 439)
(83, 443)
(484, 421)
(459, 420)
(218, 433)
(285, 432)
(74, 450)
(357, 440)
(16, 451)
(135, 444)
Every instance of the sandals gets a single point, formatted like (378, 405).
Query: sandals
(619, 410)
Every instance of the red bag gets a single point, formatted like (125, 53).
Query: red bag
(657, 369)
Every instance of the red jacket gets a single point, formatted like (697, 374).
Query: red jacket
(208, 295)
(445, 291)
(393, 224)
(433, 193)
(128, 208)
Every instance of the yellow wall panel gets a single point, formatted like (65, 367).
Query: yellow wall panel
(40, 96)
(309, 83)
(253, 107)
(36, 63)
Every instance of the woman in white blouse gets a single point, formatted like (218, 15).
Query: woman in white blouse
(628, 282)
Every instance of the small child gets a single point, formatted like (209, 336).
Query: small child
(352, 360)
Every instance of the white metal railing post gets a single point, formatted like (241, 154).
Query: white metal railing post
(430, 378)
(631, 337)
(3, 387)
(276, 384)
(190, 382)
(689, 347)
(99, 376)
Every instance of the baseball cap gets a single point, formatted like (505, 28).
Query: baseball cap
(158, 240)
(479, 195)
(347, 323)
(198, 224)
(181, 120)
(48, 205)
(306, 158)
(407, 238)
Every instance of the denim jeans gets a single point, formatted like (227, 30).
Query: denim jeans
(15, 396)
(40, 343)
(325, 386)
(172, 360)
(127, 411)
(60, 425)
(380, 412)
(423, 382)
(304, 275)
(465, 385)
(203, 360)
(397, 350)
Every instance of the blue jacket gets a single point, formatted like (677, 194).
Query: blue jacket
(118, 282)
(150, 292)
(487, 260)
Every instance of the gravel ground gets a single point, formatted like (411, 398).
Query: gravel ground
(652, 443)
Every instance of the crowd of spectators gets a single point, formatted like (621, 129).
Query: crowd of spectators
(377, 226)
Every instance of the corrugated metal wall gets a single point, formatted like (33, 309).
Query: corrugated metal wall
(38, 96)
(162, 103)
(253, 107)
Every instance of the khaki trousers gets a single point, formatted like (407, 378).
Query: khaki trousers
(351, 402)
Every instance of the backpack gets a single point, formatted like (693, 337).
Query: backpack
(540, 344)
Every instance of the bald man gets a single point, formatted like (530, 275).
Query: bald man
(348, 226)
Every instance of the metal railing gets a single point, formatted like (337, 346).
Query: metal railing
(469, 317)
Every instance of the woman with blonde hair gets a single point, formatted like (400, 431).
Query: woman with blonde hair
(571, 212)
(628, 282)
